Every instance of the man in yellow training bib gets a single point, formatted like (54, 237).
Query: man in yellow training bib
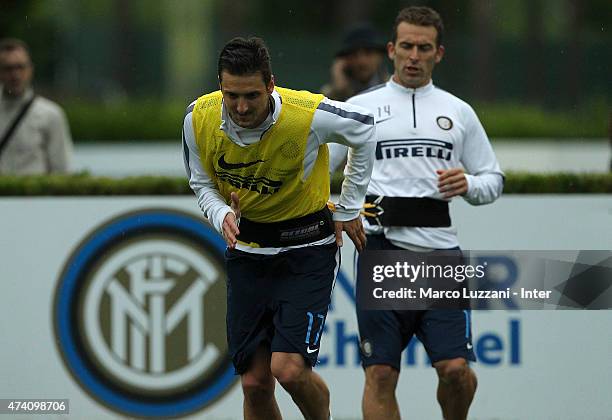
(257, 159)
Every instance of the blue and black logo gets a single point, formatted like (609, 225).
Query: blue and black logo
(139, 314)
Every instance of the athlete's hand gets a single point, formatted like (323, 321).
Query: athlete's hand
(235, 204)
(354, 230)
(230, 224)
(452, 182)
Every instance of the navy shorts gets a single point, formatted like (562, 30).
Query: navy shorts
(279, 301)
(445, 333)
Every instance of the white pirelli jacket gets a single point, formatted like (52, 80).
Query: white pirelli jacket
(419, 131)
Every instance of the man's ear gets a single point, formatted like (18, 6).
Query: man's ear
(270, 87)
(390, 50)
(440, 53)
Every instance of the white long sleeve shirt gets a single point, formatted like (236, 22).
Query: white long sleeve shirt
(419, 131)
(333, 121)
(41, 143)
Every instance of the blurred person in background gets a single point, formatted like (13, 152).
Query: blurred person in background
(35, 137)
(359, 64)
(257, 159)
(431, 148)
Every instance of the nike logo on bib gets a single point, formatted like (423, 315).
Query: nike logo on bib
(225, 165)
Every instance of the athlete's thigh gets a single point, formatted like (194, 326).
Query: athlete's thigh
(249, 307)
(384, 334)
(307, 276)
(447, 334)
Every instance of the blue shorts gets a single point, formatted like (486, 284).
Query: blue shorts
(384, 334)
(279, 301)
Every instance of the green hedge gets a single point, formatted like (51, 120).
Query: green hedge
(533, 183)
(525, 121)
(149, 120)
(86, 185)
(134, 120)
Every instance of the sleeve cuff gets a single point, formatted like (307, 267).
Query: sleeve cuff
(471, 187)
(222, 213)
(343, 215)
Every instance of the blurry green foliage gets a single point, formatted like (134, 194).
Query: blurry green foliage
(134, 120)
(514, 120)
(548, 52)
(558, 183)
(539, 183)
(152, 120)
(87, 185)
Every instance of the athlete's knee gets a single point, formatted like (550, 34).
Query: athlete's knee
(383, 377)
(257, 387)
(454, 372)
(289, 369)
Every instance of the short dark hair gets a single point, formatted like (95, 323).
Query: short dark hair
(242, 56)
(421, 16)
(12, 44)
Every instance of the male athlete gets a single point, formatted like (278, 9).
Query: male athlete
(430, 148)
(257, 160)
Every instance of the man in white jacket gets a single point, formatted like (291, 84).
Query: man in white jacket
(430, 148)
(34, 133)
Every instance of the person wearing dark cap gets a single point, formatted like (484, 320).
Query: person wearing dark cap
(359, 64)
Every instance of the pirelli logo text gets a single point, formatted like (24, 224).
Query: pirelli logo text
(409, 148)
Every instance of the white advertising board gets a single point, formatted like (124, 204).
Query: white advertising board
(117, 305)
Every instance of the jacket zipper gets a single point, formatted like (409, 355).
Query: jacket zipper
(413, 111)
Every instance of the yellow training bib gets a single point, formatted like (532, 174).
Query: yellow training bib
(268, 176)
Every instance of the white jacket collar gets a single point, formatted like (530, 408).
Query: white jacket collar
(420, 91)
